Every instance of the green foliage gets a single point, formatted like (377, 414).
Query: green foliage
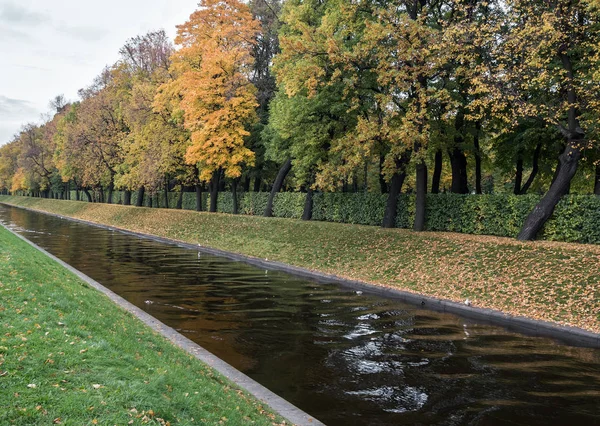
(405, 211)
(189, 200)
(253, 203)
(289, 204)
(359, 208)
(576, 218)
(225, 202)
(500, 215)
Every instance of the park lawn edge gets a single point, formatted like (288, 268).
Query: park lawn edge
(547, 281)
(61, 365)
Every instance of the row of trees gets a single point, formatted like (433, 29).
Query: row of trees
(376, 95)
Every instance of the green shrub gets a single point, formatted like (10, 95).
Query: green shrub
(289, 204)
(225, 202)
(189, 200)
(359, 208)
(254, 203)
(575, 219)
(405, 211)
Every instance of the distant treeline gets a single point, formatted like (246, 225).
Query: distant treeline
(375, 98)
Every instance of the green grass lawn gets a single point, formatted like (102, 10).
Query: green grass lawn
(551, 281)
(69, 356)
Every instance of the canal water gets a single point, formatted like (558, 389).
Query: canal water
(345, 357)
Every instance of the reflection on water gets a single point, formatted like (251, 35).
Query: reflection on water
(345, 357)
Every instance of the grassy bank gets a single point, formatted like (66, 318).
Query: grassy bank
(543, 280)
(69, 356)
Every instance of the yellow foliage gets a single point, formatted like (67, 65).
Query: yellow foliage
(213, 86)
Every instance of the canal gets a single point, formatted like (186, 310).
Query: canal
(345, 357)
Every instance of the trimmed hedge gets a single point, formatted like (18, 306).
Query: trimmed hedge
(358, 208)
(500, 215)
(287, 204)
(575, 219)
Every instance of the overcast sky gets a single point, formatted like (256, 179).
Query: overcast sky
(51, 47)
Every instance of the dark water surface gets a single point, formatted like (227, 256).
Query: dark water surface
(346, 358)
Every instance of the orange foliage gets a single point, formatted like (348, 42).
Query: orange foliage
(218, 100)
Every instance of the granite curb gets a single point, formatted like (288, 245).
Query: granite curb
(279, 405)
(532, 327)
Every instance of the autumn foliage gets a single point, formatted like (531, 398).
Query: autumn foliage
(376, 96)
(217, 98)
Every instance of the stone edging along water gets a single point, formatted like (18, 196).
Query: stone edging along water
(274, 401)
(568, 335)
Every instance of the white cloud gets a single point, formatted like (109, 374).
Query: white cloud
(15, 108)
(16, 14)
(50, 47)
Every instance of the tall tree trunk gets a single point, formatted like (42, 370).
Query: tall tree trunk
(166, 193)
(437, 172)
(382, 183)
(345, 186)
(568, 162)
(87, 194)
(556, 170)
(391, 207)
(127, 197)
(140, 196)
(478, 189)
(179, 204)
(395, 187)
(458, 159)
(534, 169)
(597, 181)
(246, 186)
(458, 162)
(283, 172)
(222, 181)
(198, 197)
(111, 189)
(518, 175)
(257, 183)
(234, 186)
(308, 205)
(214, 191)
(420, 210)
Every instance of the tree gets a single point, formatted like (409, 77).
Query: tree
(155, 147)
(266, 47)
(541, 64)
(9, 156)
(218, 100)
(36, 156)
